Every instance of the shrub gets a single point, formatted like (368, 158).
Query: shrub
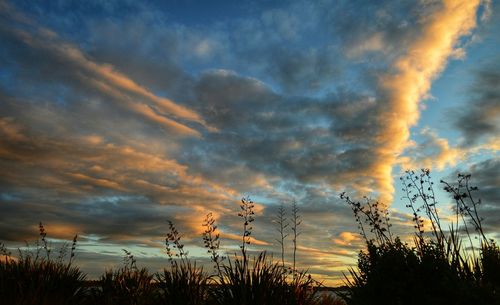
(128, 285)
(184, 283)
(436, 269)
(125, 287)
(38, 279)
(329, 299)
(30, 281)
(261, 282)
(395, 273)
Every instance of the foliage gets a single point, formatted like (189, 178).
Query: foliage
(127, 285)
(211, 241)
(45, 276)
(36, 278)
(436, 269)
(184, 282)
(247, 216)
(261, 282)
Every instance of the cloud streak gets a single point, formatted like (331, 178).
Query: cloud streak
(102, 77)
(411, 80)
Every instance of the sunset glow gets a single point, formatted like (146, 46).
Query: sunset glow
(116, 116)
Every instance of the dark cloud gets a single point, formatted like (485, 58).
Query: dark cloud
(304, 70)
(486, 176)
(373, 29)
(478, 119)
(304, 139)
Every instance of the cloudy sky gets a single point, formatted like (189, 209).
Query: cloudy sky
(118, 115)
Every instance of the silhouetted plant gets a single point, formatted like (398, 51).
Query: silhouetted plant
(4, 252)
(296, 222)
(466, 205)
(35, 279)
(184, 283)
(490, 269)
(262, 282)
(259, 280)
(173, 246)
(420, 188)
(211, 241)
(281, 226)
(375, 216)
(129, 260)
(436, 270)
(247, 215)
(43, 236)
(127, 285)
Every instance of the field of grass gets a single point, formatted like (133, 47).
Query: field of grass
(436, 268)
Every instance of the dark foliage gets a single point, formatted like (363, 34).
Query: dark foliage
(435, 269)
(36, 278)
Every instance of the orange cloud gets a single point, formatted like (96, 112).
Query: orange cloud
(411, 81)
(434, 152)
(88, 163)
(346, 238)
(59, 230)
(143, 109)
(96, 181)
(11, 130)
(107, 80)
(237, 237)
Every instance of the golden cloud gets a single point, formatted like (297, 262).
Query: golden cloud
(411, 81)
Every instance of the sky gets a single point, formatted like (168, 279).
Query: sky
(116, 116)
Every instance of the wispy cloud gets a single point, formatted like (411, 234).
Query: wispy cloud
(47, 45)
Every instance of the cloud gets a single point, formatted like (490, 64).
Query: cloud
(312, 139)
(372, 44)
(410, 81)
(303, 70)
(479, 119)
(485, 175)
(44, 48)
(377, 31)
(433, 152)
(346, 238)
(71, 173)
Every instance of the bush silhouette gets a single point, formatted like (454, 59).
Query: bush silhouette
(436, 269)
(37, 278)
